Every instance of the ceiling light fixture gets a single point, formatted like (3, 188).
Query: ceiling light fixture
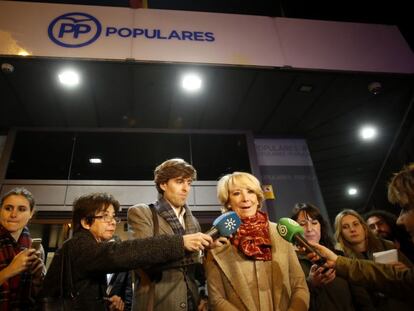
(305, 88)
(7, 68)
(368, 132)
(69, 78)
(375, 87)
(352, 191)
(23, 53)
(95, 160)
(191, 82)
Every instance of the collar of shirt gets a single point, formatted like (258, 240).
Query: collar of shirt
(180, 214)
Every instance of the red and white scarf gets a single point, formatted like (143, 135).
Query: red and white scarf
(253, 237)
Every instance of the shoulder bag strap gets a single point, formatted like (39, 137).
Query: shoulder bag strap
(155, 219)
(151, 293)
(68, 272)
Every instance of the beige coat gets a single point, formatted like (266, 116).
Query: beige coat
(229, 288)
(170, 293)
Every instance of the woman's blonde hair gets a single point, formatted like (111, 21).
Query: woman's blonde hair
(240, 179)
(342, 243)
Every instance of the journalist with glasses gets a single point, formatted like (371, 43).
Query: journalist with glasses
(81, 280)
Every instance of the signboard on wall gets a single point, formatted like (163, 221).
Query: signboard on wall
(113, 33)
(286, 165)
(137, 34)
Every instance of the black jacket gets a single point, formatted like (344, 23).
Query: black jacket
(91, 261)
(121, 285)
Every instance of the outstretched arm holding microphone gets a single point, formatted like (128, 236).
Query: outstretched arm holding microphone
(386, 278)
(383, 277)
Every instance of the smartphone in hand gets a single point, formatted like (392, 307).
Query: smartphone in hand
(36, 242)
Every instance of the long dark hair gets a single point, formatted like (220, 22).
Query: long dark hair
(313, 212)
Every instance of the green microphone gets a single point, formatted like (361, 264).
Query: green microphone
(292, 232)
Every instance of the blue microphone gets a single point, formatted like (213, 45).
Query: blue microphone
(224, 225)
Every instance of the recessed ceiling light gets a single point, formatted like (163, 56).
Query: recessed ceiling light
(7, 68)
(368, 132)
(95, 160)
(191, 82)
(23, 53)
(375, 87)
(305, 88)
(69, 78)
(352, 191)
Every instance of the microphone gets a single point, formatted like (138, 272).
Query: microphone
(224, 225)
(292, 232)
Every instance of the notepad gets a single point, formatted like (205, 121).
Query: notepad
(386, 256)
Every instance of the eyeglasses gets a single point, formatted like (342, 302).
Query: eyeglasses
(107, 218)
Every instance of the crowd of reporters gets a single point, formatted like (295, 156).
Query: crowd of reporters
(254, 269)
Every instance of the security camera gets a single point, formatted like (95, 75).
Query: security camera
(7, 68)
(375, 87)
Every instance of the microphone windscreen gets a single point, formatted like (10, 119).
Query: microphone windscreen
(292, 232)
(288, 228)
(227, 223)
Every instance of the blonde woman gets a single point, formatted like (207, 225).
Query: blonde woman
(256, 269)
(356, 240)
(328, 291)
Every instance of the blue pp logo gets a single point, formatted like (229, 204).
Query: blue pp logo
(74, 30)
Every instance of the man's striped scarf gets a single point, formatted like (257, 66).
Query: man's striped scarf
(165, 210)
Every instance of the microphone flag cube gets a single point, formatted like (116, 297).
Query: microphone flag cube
(288, 228)
(225, 225)
(292, 232)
